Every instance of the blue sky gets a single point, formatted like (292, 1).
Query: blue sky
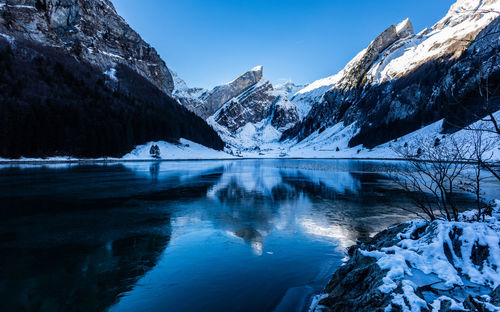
(209, 42)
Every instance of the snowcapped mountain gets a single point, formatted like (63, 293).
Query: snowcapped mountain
(89, 30)
(248, 111)
(403, 81)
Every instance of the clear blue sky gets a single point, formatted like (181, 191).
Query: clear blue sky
(209, 42)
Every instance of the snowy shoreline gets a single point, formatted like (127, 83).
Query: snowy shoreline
(230, 157)
(421, 266)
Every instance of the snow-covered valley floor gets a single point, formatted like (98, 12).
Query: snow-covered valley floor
(329, 144)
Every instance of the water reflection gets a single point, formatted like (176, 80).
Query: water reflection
(130, 236)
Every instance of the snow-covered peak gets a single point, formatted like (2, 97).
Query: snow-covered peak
(462, 6)
(287, 89)
(465, 19)
(469, 10)
(258, 68)
(405, 28)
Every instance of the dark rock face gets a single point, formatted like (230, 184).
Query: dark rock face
(283, 113)
(247, 99)
(90, 30)
(221, 94)
(250, 106)
(354, 287)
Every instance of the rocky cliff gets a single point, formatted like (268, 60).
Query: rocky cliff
(89, 30)
(248, 111)
(257, 116)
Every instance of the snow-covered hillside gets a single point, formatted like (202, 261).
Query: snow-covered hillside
(333, 142)
(452, 34)
(403, 81)
(185, 149)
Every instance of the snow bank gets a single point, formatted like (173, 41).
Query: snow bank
(459, 254)
(333, 142)
(421, 266)
(185, 149)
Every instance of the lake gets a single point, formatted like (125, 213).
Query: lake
(244, 235)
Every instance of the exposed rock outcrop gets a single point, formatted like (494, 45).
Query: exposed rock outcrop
(283, 113)
(91, 30)
(389, 273)
(221, 94)
(247, 112)
(251, 106)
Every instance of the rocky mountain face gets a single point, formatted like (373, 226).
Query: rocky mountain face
(76, 80)
(91, 31)
(247, 111)
(403, 81)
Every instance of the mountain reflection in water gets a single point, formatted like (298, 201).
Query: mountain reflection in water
(184, 236)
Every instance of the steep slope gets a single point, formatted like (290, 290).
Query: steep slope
(248, 111)
(54, 105)
(402, 81)
(92, 31)
(257, 116)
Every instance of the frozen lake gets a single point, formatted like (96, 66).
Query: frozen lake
(244, 235)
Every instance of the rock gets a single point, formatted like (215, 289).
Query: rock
(251, 106)
(221, 94)
(357, 69)
(283, 113)
(405, 28)
(495, 296)
(354, 286)
(91, 30)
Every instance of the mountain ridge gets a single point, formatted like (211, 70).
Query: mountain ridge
(387, 91)
(89, 30)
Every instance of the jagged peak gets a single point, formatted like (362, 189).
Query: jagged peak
(255, 75)
(258, 68)
(405, 28)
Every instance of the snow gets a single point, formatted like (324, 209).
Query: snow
(464, 21)
(18, 6)
(315, 302)
(261, 140)
(8, 38)
(184, 150)
(111, 74)
(258, 68)
(461, 22)
(111, 54)
(179, 83)
(427, 254)
(325, 144)
(401, 26)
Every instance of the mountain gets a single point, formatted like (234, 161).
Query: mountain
(403, 81)
(246, 112)
(75, 80)
(91, 31)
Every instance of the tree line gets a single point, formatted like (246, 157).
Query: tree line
(54, 105)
